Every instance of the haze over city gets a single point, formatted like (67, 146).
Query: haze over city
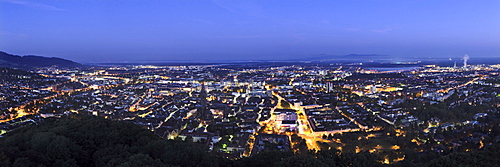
(223, 30)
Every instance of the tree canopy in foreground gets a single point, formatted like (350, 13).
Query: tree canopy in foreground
(94, 141)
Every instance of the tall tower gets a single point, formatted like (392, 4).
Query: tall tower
(203, 111)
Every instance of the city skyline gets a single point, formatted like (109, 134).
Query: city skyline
(134, 31)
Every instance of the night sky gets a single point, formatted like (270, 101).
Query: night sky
(184, 30)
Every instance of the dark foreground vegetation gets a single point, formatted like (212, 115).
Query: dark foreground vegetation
(92, 141)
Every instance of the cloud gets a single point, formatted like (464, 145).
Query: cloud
(352, 29)
(205, 21)
(298, 38)
(326, 21)
(386, 29)
(243, 22)
(240, 7)
(251, 8)
(382, 30)
(14, 35)
(239, 36)
(33, 5)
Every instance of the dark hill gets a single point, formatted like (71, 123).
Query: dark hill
(14, 61)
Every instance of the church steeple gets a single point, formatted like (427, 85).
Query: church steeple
(203, 110)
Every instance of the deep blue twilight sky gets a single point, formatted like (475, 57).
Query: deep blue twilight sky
(149, 30)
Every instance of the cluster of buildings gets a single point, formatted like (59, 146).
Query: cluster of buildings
(239, 110)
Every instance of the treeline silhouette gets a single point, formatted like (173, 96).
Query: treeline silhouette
(80, 140)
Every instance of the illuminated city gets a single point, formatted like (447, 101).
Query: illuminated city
(239, 83)
(239, 111)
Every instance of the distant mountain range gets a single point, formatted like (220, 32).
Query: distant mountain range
(30, 61)
(346, 58)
